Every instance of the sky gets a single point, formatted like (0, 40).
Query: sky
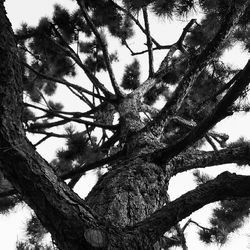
(30, 11)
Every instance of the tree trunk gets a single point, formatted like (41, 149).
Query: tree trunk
(130, 192)
(72, 224)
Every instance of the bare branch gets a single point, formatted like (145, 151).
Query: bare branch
(64, 82)
(50, 134)
(103, 46)
(42, 140)
(104, 147)
(35, 126)
(55, 112)
(82, 97)
(201, 159)
(90, 166)
(135, 21)
(149, 43)
(147, 85)
(89, 74)
(210, 141)
(174, 47)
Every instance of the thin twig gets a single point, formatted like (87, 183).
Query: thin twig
(64, 82)
(149, 43)
(42, 140)
(87, 71)
(135, 21)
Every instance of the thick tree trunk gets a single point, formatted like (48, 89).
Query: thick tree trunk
(130, 192)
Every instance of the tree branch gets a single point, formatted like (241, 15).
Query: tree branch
(135, 21)
(201, 159)
(216, 115)
(198, 64)
(103, 45)
(42, 140)
(147, 85)
(174, 47)
(81, 96)
(64, 82)
(224, 186)
(50, 134)
(89, 74)
(149, 43)
(36, 126)
(86, 114)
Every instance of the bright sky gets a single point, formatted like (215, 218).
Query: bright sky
(30, 11)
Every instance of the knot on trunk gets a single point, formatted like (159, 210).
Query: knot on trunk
(95, 237)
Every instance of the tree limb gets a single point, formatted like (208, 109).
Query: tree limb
(103, 46)
(35, 126)
(216, 115)
(224, 186)
(88, 73)
(64, 82)
(201, 159)
(149, 43)
(148, 84)
(135, 21)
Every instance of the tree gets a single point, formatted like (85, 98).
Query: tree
(129, 207)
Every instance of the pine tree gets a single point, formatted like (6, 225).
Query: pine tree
(129, 207)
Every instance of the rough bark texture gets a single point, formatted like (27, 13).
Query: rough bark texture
(130, 192)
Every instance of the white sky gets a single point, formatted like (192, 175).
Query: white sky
(30, 11)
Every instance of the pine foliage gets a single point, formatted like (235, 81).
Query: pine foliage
(131, 77)
(226, 218)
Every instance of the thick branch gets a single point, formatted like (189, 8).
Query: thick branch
(77, 171)
(225, 186)
(162, 156)
(201, 159)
